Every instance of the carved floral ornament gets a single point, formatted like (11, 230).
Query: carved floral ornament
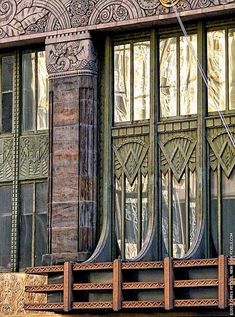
(71, 57)
(19, 17)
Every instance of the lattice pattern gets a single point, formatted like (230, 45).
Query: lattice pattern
(93, 266)
(142, 265)
(92, 305)
(196, 283)
(195, 302)
(143, 285)
(142, 304)
(92, 286)
(44, 269)
(188, 263)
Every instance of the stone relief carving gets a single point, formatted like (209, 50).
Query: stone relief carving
(19, 17)
(73, 56)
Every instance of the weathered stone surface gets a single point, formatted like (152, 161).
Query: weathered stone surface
(73, 207)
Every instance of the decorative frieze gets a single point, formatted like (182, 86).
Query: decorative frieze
(22, 17)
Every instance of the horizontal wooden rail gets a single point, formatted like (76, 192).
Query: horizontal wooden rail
(117, 280)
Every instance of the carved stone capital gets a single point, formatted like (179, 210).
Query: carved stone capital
(70, 54)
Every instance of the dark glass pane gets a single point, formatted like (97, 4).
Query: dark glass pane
(228, 218)
(42, 111)
(26, 211)
(214, 208)
(28, 91)
(179, 218)
(131, 220)
(5, 227)
(7, 93)
(41, 222)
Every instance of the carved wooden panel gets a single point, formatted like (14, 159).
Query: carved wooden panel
(33, 156)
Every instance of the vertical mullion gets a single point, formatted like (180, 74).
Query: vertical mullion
(0, 94)
(15, 184)
(178, 73)
(33, 226)
(219, 208)
(139, 213)
(187, 209)
(132, 82)
(226, 70)
(123, 217)
(36, 90)
(170, 215)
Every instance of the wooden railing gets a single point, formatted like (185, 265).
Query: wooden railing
(132, 285)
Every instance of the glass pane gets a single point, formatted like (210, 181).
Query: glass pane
(231, 51)
(122, 83)
(188, 75)
(28, 91)
(42, 111)
(214, 210)
(131, 237)
(118, 211)
(41, 222)
(164, 199)
(228, 209)
(26, 210)
(7, 93)
(141, 80)
(179, 218)
(168, 77)
(144, 207)
(216, 70)
(194, 218)
(5, 227)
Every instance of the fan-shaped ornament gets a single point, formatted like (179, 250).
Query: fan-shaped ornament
(169, 3)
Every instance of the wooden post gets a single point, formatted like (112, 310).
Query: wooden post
(117, 285)
(223, 281)
(68, 286)
(168, 284)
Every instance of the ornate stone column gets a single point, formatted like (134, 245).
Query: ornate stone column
(72, 67)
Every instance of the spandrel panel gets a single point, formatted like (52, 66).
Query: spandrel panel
(28, 91)
(188, 75)
(168, 77)
(122, 83)
(42, 103)
(7, 93)
(216, 70)
(5, 227)
(141, 80)
(231, 54)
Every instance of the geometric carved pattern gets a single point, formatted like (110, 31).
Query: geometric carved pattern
(19, 17)
(195, 302)
(130, 156)
(72, 56)
(120, 280)
(177, 152)
(33, 156)
(222, 152)
(6, 159)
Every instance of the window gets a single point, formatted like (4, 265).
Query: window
(23, 158)
(165, 195)
(178, 76)
(131, 104)
(221, 65)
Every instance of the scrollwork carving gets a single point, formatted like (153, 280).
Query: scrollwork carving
(24, 17)
(73, 56)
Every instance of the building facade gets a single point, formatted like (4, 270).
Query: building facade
(117, 155)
